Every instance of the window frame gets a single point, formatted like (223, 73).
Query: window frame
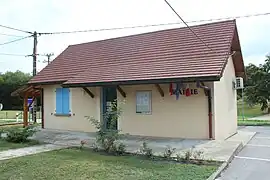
(149, 92)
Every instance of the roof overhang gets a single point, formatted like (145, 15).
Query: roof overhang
(27, 89)
(149, 81)
(46, 83)
(237, 56)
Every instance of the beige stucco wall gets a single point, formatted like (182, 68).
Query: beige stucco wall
(184, 118)
(81, 105)
(225, 104)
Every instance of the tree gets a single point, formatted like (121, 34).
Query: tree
(257, 90)
(9, 82)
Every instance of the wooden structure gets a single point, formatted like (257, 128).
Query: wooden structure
(26, 92)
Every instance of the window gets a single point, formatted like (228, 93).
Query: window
(143, 102)
(62, 101)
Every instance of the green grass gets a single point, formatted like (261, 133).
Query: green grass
(4, 145)
(11, 114)
(249, 112)
(253, 123)
(76, 164)
(2, 121)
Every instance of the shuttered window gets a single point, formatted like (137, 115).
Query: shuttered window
(62, 101)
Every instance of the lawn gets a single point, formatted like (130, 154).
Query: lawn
(249, 112)
(2, 121)
(11, 114)
(85, 164)
(4, 145)
(253, 123)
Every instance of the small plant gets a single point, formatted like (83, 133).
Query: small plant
(188, 155)
(83, 142)
(107, 134)
(121, 149)
(20, 135)
(198, 155)
(1, 133)
(179, 158)
(145, 150)
(95, 147)
(168, 152)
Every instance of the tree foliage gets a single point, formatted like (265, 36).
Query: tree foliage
(257, 85)
(9, 82)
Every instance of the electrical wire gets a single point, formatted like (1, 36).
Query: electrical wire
(155, 25)
(11, 35)
(15, 29)
(15, 40)
(186, 24)
(8, 54)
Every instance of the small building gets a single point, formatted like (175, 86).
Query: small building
(169, 83)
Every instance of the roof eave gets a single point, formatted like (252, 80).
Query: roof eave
(138, 82)
(46, 83)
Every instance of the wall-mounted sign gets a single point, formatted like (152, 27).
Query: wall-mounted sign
(183, 91)
(192, 91)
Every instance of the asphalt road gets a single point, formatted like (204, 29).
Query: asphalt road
(253, 162)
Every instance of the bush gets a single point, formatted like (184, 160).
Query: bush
(83, 142)
(190, 155)
(107, 135)
(1, 132)
(120, 148)
(198, 155)
(145, 150)
(168, 152)
(20, 135)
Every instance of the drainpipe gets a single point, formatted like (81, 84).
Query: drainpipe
(209, 98)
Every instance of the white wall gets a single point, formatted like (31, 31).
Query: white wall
(225, 104)
(183, 118)
(81, 105)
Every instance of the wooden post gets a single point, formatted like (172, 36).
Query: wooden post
(42, 108)
(25, 110)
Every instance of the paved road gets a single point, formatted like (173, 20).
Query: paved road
(253, 162)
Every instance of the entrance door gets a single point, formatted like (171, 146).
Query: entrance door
(109, 97)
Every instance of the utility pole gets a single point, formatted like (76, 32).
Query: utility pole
(48, 58)
(34, 110)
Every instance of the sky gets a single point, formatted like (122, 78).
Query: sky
(70, 15)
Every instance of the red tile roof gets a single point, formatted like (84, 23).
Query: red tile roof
(173, 53)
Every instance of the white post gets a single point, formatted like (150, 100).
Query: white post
(17, 117)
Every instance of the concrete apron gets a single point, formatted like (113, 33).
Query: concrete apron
(212, 150)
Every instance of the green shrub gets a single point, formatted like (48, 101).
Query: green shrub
(1, 132)
(145, 150)
(20, 135)
(168, 152)
(107, 134)
(120, 148)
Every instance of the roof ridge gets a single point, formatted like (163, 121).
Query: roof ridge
(194, 26)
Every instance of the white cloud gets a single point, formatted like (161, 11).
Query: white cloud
(68, 15)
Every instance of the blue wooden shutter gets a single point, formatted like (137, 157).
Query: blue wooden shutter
(65, 100)
(59, 103)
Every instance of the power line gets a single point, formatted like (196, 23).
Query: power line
(11, 35)
(155, 25)
(15, 40)
(15, 29)
(8, 54)
(186, 24)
